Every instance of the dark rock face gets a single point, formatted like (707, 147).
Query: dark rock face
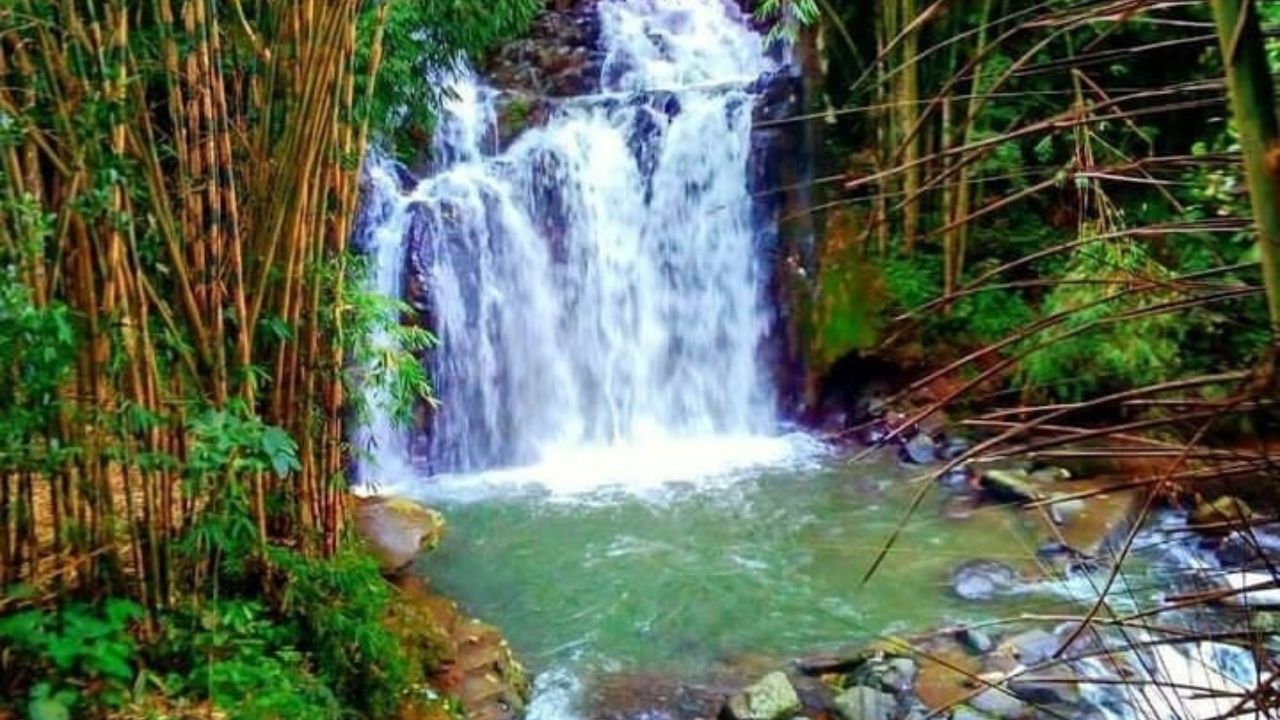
(558, 57)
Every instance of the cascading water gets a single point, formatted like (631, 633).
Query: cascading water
(596, 286)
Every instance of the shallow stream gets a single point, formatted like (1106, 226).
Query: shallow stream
(695, 578)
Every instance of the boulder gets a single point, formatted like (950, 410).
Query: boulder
(893, 675)
(771, 698)
(1219, 516)
(975, 641)
(920, 450)
(1031, 647)
(983, 579)
(1015, 486)
(1000, 703)
(864, 703)
(1049, 686)
(397, 530)
(1257, 548)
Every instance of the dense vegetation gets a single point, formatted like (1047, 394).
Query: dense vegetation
(1064, 172)
(179, 311)
(1051, 194)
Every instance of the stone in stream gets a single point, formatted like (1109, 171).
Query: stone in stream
(397, 530)
(964, 712)
(863, 703)
(1000, 703)
(1055, 685)
(920, 449)
(894, 675)
(1219, 516)
(953, 447)
(771, 698)
(975, 641)
(983, 579)
(1013, 486)
(1031, 647)
(1255, 549)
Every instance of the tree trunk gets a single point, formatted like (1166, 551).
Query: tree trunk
(1253, 105)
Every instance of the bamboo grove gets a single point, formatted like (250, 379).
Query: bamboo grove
(1005, 163)
(180, 179)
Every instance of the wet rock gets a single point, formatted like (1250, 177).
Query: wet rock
(943, 678)
(1015, 486)
(864, 703)
(1220, 515)
(894, 675)
(397, 530)
(954, 447)
(843, 662)
(964, 712)
(1049, 474)
(1063, 558)
(772, 698)
(1000, 703)
(983, 579)
(920, 450)
(1098, 519)
(975, 641)
(1256, 548)
(1048, 686)
(558, 56)
(957, 478)
(1031, 647)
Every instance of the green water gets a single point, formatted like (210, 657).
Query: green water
(688, 578)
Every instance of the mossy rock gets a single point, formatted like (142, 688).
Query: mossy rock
(397, 530)
(1219, 516)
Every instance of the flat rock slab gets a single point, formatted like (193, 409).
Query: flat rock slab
(1088, 524)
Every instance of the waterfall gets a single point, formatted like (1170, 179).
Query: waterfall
(596, 285)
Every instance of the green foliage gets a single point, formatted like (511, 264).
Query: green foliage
(39, 350)
(426, 39)
(339, 607)
(1106, 354)
(385, 351)
(787, 18)
(61, 650)
(235, 654)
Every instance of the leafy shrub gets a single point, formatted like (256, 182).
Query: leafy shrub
(1106, 353)
(60, 653)
(235, 654)
(339, 607)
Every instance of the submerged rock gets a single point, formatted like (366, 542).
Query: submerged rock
(920, 449)
(772, 698)
(397, 530)
(983, 579)
(864, 703)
